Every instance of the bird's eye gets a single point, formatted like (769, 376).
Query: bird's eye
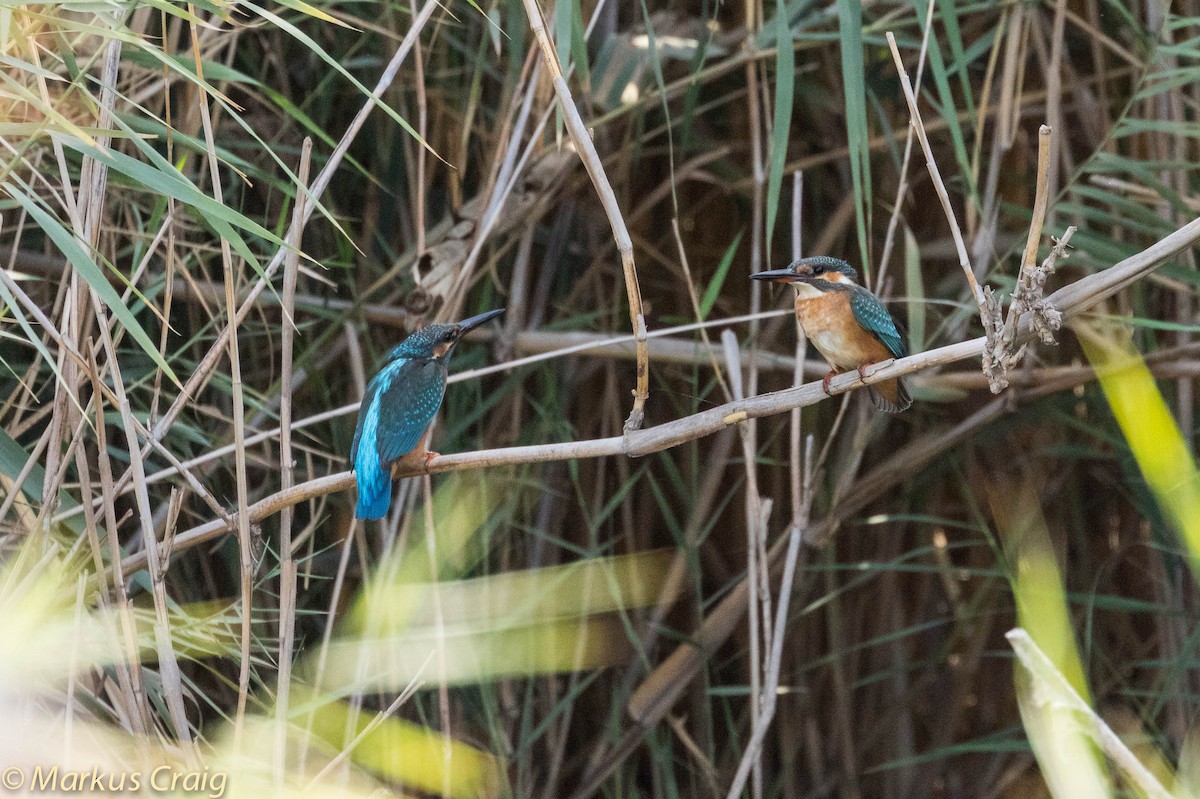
(818, 270)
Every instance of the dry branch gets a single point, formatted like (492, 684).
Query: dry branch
(934, 174)
(902, 182)
(1000, 354)
(1070, 300)
(1003, 353)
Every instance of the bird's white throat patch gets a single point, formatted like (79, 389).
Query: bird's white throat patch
(807, 291)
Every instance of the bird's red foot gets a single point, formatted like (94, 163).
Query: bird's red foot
(825, 382)
(429, 456)
(862, 371)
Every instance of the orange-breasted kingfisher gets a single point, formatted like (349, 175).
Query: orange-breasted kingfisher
(398, 406)
(847, 324)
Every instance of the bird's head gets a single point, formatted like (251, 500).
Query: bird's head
(437, 341)
(816, 273)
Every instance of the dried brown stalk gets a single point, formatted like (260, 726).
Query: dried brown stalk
(1002, 354)
(757, 510)
(934, 174)
(247, 560)
(168, 664)
(287, 563)
(608, 198)
(902, 184)
(129, 672)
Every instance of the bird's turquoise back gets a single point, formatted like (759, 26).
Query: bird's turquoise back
(407, 404)
(872, 315)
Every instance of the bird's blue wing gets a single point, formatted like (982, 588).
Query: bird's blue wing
(871, 314)
(374, 478)
(407, 403)
(364, 410)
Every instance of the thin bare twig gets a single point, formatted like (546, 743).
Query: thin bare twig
(934, 174)
(693, 296)
(801, 473)
(902, 185)
(756, 575)
(245, 546)
(756, 510)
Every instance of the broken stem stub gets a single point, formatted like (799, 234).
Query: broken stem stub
(1029, 296)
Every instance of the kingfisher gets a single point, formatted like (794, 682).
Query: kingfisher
(847, 324)
(398, 406)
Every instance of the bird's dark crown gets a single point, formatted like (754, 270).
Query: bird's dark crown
(426, 342)
(437, 341)
(818, 265)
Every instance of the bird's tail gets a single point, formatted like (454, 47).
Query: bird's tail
(890, 396)
(374, 493)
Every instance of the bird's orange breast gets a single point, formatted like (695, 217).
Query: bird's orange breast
(830, 325)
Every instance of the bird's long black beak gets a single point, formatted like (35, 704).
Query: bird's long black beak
(778, 276)
(477, 320)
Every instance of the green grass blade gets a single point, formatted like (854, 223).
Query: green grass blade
(914, 287)
(714, 286)
(316, 49)
(89, 271)
(855, 88)
(1153, 435)
(785, 84)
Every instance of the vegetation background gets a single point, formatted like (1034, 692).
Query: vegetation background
(590, 632)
